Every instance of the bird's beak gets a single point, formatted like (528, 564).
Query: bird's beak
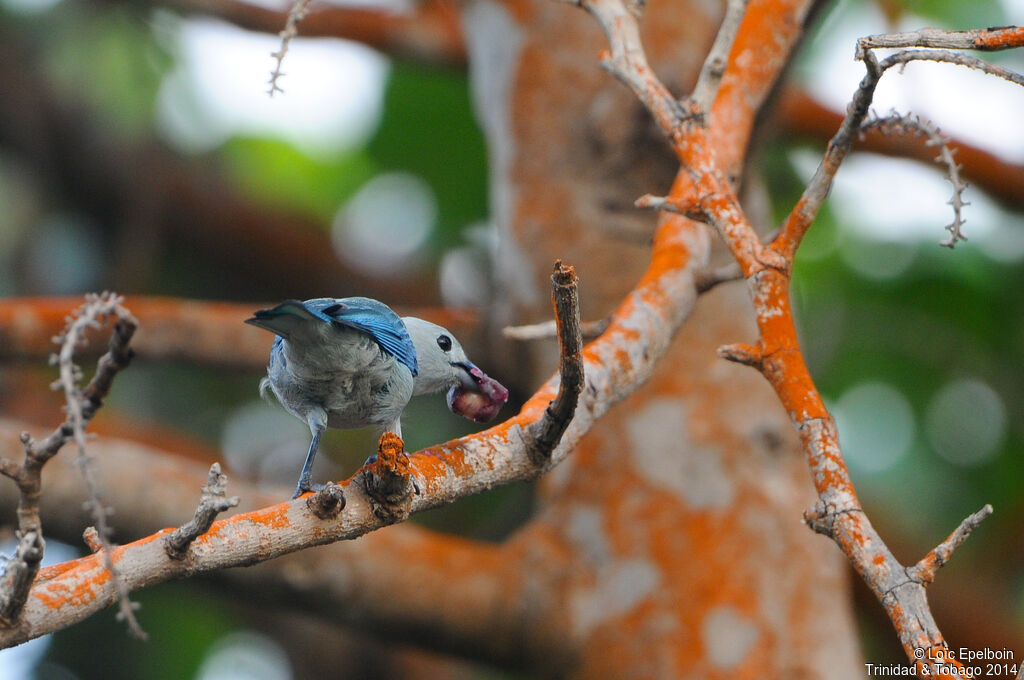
(478, 396)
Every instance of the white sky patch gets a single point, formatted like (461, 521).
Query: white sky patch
(333, 89)
(893, 199)
(382, 228)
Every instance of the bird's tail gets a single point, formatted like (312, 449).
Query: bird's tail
(284, 318)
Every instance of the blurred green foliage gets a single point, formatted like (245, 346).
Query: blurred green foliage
(428, 129)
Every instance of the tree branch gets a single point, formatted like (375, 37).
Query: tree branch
(430, 32)
(467, 597)
(810, 202)
(989, 39)
(710, 79)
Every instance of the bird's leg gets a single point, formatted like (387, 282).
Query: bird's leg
(317, 428)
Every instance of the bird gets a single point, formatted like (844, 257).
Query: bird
(353, 362)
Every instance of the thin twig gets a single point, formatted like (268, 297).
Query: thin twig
(212, 502)
(291, 29)
(896, 124)
(806, 209)
(565, 299)
(80, 406)
(549, 329)
(924, 571)
(627, 61)
(945, 57)
(979, 39)
(689, 209)
(711, 72)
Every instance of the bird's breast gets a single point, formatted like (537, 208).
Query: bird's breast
(354, 381)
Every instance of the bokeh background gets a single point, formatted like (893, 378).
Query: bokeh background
(140, 152)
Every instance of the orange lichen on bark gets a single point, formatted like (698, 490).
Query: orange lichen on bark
(754, 65)
(74, 592)
(1000, 38)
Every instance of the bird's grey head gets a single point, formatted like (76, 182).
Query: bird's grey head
(443, 365)
(441, 360)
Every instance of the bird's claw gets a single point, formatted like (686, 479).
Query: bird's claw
(305, 488)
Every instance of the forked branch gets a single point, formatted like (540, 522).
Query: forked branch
(80, 405)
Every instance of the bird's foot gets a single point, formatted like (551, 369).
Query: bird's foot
(305, 487)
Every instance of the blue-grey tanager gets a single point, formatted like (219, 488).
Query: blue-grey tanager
(353, 362)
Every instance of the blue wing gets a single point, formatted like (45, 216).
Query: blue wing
(363, 314)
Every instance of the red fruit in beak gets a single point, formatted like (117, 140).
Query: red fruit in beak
(479, 404)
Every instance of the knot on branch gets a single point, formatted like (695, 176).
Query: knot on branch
(823, 516)
(545, 434)
(748, 355)
(92, 539)
(327, 502)
(212, 502)
(687, 208)
(388, 481)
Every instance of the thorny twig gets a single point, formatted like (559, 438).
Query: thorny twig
(839, 146)
(896, 124)
(291, 29)
(212, 502)
(81, 406)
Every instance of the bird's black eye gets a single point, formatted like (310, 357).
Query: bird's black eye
(444, 342)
